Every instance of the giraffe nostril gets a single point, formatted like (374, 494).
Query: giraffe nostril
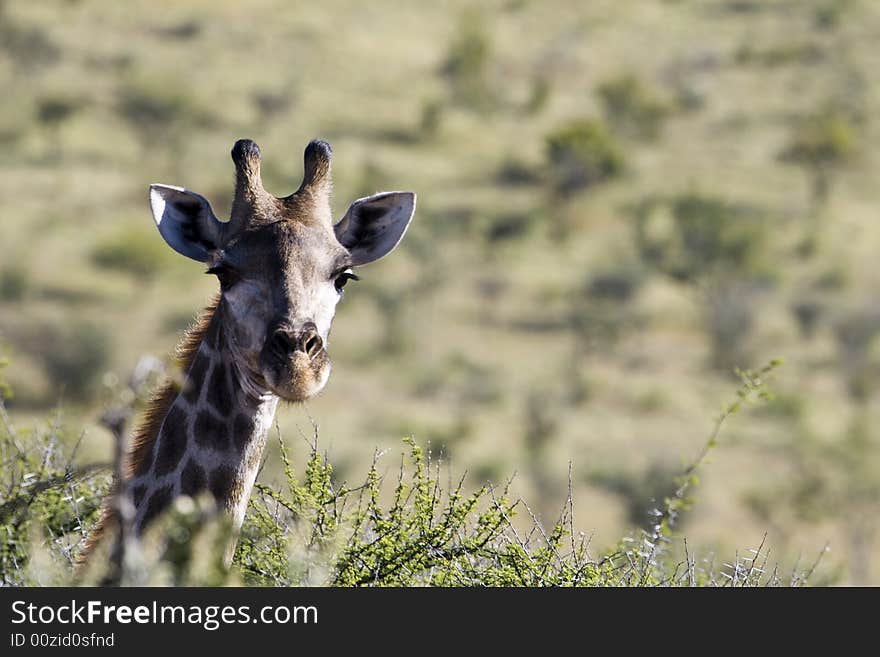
(282, 343)
(313, 345)
(310, 340)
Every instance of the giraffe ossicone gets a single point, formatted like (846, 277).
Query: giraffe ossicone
(282, 264)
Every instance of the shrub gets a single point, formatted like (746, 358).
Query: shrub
(582, 154)
(808, 313)
(689, 97)
(53, 110)
(693, 235)
(821, 140)
(467, 62)
(780, 55)
(615, 284)
(631, 107)
(13, 283)
(183, 31)
(28, 47)
(347, 536)
(820, 144)
(510, 226)
(719, 248)
(743, 6)
(316, 530)
(828, 14)
(47, 504)
(514, 172)
(600, 312)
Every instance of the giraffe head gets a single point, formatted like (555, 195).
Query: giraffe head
(281, 263)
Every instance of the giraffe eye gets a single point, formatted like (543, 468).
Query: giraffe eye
(343, 278)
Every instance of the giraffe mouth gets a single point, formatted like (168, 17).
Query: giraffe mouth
(298, 376)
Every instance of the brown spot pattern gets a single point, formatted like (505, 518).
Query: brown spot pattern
(242, 431)
(221, 482)
(172, 441)
(211, 432)
(192, 479)
(195, 378)
(215, 336)
(219, 393)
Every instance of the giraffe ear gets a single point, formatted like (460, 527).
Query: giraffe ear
(186, 221)
(374, 225)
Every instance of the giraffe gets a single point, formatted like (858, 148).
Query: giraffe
(282, 265)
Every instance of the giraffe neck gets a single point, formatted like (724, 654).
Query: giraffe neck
(211, 439)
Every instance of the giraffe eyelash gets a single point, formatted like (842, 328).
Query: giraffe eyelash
(342, 277)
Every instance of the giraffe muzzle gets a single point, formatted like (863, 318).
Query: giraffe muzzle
(294, 361)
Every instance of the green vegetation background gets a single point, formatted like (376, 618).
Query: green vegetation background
(619, 204)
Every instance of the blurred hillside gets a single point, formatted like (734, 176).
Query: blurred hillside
(619, 203)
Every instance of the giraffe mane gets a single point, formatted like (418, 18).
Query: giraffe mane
(147, 430)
